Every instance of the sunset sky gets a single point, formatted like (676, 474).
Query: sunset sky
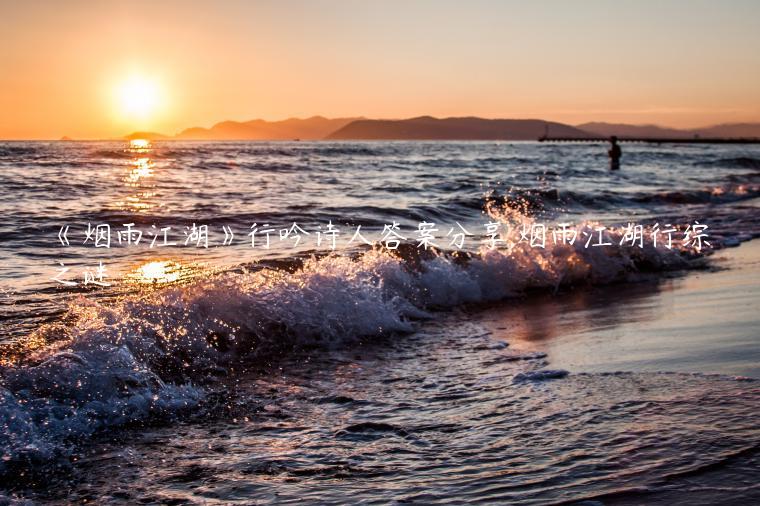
(103, 69)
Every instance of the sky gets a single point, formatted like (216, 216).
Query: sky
(104, 69)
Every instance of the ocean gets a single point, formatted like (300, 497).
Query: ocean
(376, 322)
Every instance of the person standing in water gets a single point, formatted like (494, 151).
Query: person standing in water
(614, 153)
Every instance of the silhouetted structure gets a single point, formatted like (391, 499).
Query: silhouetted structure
(655, 140)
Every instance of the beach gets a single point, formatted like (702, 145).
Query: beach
(704, 321)
(217, 370)
(478, 405)
(363, 253)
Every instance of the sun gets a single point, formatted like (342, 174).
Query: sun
(138, 97)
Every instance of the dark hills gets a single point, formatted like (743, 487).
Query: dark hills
(314, 128)
(470, 128)
(430, 128)
(623, 130)
(729, 130)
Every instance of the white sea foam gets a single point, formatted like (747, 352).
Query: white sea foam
(144, 356)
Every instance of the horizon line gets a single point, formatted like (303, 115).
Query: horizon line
(66, 138)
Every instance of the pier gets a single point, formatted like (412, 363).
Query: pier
(655, 140)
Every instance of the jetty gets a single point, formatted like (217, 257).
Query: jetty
(654, 140)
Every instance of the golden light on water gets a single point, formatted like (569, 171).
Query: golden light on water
(159, 271)
(136, 203)
(164, 272)
(139, 144)
(142, 168)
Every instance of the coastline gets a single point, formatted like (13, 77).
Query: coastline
(189, 393)
(699, 321)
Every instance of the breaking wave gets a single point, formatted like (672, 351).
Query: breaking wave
(532, 201)
(153, 356)
(719, 194)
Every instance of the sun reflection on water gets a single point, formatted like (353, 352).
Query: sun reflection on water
(142, 168)
(160, 272)
(139, 144)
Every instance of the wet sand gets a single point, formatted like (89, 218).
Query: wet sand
(706, 322)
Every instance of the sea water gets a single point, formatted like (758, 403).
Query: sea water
(208, 371)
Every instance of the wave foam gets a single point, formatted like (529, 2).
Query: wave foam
(148, 356)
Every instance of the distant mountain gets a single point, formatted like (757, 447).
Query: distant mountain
(429, 128)
(736, 130)
(623, 130)
(312, 128)
(729, 130)
(470, 128)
